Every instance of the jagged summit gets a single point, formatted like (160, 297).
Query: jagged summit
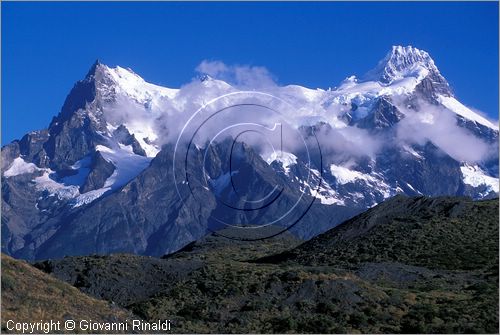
(94, 68)
(401, 62)
(410, 64)
(100, 72)
(103, 86)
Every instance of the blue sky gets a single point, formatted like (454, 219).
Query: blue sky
(47, 47)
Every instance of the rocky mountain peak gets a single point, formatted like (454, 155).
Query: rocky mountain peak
(107, 80)
(94, 68)
(407, 56)
(401, 62)
(99, 88)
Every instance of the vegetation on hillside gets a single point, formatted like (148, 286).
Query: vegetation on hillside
(409, 265)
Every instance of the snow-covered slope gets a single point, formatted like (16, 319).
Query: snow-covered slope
(127, 164)
(457, 107)
(475, 176)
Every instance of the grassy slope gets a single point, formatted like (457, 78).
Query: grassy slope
(440, 233)
(30, 295)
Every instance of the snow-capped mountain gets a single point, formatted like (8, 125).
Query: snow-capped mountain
(99, 179)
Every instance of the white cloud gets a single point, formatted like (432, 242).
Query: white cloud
(439, 125)
(213, 68)
(241, 76)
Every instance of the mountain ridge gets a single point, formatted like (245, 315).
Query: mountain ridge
(377, 139)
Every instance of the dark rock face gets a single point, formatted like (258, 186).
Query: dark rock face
(83, 93)
(32, 147)
(384, 115)
(9, 153)
(433, 85)
(255, 179)
(76, 131)
(126, 221)
(433, 173)
(71, 141)
(124, 137)
(100, 170)
(19, 213)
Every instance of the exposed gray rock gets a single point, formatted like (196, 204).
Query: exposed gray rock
(384, 115)
(9, 153)
(124, 137)
(100, 170)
